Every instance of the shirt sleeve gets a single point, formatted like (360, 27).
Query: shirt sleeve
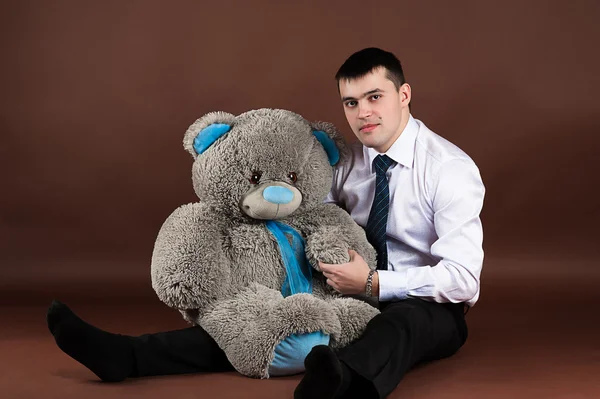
(456, 196)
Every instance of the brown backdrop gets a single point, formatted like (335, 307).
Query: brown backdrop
(96, 96)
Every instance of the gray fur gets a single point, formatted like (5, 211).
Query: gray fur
(263, 318)
(222, 268)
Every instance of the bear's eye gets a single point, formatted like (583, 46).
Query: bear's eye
(255, 179)
(292, 176)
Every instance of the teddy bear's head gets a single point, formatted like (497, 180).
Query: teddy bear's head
(263, 164)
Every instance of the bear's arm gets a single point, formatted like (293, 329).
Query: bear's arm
(189, 270)
(330, 232)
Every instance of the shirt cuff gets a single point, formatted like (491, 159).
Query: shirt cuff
(392, 285)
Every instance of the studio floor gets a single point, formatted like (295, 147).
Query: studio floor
(541, 341)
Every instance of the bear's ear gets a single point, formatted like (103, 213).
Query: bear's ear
(206, 130)
(333, 143)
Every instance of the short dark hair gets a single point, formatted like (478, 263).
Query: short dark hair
(366, 60)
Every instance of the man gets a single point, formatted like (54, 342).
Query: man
(418, 197)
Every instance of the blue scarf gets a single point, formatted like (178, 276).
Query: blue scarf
(298, 271)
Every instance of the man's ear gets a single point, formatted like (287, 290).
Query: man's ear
(206, 130)
(332, 142)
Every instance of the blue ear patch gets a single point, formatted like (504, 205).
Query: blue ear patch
(209, 135)
(329, 145)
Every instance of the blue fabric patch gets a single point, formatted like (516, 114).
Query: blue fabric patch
(329, 145)
(209, 135)
(278, 195)
(291, 352)
(298, 272)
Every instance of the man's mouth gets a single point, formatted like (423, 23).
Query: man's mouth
(368, 127)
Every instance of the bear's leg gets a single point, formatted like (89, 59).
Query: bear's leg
(109, 356)
(354, 316)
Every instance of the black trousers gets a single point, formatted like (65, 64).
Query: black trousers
(405, 334)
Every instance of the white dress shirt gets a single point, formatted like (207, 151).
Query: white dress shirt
(434, 233)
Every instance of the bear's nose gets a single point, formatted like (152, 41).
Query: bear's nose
(278, 195)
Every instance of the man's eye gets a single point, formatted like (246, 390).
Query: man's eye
(375, 96)
(351, 104)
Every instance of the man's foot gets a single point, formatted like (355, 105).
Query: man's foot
(109, 356)
(325, 376)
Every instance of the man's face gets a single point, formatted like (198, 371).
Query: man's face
(376, 111)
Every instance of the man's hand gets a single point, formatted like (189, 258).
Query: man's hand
(349, 278)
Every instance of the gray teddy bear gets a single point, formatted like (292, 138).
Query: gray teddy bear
(243, 261)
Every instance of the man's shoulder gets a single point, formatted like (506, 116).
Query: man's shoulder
(354, 154)
(446, 166)
(356, 149)
(437, 149)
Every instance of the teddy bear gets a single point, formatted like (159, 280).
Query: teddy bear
(243, 261)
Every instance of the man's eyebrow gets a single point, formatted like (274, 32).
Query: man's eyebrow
(364, 95)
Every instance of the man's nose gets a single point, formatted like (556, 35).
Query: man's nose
(364, 110)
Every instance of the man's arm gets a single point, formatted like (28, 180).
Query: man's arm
(456, 194)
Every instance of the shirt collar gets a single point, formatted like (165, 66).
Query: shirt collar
(403, 149)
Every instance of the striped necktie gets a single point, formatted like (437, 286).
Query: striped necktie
(377, 224)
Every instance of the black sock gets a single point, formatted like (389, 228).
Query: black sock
(325, 377)
(109, 356)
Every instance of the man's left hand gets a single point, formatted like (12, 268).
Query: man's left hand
(347, 278)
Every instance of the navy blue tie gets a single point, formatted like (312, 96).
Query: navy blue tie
(377, 224)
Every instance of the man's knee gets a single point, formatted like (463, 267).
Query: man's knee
(439, 322)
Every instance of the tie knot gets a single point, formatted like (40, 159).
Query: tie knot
(382, 163)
